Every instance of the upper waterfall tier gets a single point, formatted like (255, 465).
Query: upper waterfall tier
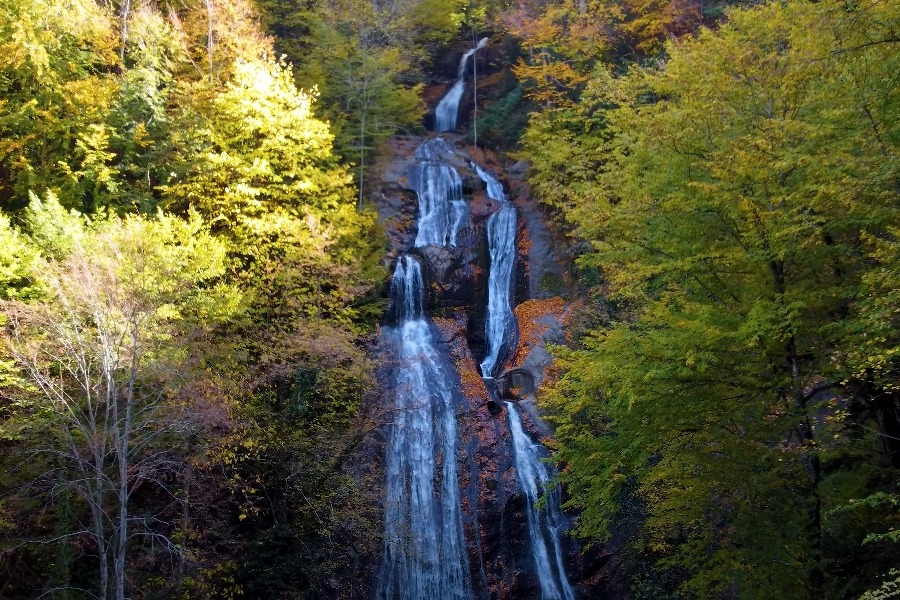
(447, 111)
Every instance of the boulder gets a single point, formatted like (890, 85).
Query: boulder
(472, 184)
(519, 168)
(440, 262)
(516, 384)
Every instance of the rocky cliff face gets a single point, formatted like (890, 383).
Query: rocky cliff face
(495, 521)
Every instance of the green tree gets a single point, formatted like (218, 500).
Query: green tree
(737, 195)
(139, 112)
(267, 179)
(56, 85)
(264, 154)
(17, 263)
(111, 111)
(364, 63)
(104, 352)
(364, 84)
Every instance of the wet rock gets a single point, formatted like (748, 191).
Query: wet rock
(446, 66)
(439, 262)
(516, 384)
(396, 211)
(481, 206)
(519, 168)
(546, 266)
(518, 583)
(472, 184)
(437, 149)
(453, 279)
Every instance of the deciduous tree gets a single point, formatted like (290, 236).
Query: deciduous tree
(741, 208)
(104, 351)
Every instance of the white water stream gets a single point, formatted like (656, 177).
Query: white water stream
(544, 521)
(443, 214)
(501, 231)
(424, 547)
(447, 110)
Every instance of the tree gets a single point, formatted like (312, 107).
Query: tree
(737, 194)
(364, 63)
(56, 87)
(561, 43)
(101, 350)
(268, 180)
(114, 110)
(264, 153)
(17, 262)
(140, 112)
(362, 84)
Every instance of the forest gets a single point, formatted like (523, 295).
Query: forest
(196, 290)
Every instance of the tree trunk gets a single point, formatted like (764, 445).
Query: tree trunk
(126, 9)
(362, 142)
(209, 36)
(185, 523)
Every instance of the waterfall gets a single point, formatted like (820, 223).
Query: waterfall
(443, 214)
(424, 551)
(460, 217)
(424, 547)
(494, 187)
(407, 291)
(501, 229)
(544, 522)
(445, 114)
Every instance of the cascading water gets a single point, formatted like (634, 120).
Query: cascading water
(501, 229)
(494, 187)
(443, 214)
(425, 555)
(445, 114)
(424, 546)
(460, 217)
(544, 522)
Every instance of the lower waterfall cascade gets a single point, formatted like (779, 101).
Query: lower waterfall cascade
(544, 522)
(426, 555)
(424, 548)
